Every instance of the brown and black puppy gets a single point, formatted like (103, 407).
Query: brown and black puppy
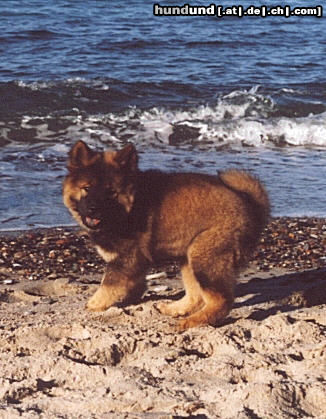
(210, 224)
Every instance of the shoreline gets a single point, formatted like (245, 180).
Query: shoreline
(75, 227)
(288, 243)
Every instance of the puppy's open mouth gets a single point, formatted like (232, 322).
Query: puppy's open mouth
(92, 223)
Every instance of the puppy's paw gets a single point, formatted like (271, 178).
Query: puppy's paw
(167, 309)
(99, 301)
(184, 306)
(200, 318)
(187, 323)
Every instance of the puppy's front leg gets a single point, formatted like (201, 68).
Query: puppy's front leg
(116, 287)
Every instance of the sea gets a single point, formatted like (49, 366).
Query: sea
(244, 87)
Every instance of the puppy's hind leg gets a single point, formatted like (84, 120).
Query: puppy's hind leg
(215, 308)
(191, 302)
(214, 264)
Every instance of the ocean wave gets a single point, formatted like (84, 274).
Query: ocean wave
(239, 118)
(223, 125)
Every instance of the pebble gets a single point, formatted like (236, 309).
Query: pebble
(292, 243)
(8, 281)
(158, 275)
(161, 288)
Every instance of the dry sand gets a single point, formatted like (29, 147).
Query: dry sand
(268, 360)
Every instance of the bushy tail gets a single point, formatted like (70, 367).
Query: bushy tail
(244, 182)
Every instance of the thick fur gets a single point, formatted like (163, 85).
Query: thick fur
(210, 224)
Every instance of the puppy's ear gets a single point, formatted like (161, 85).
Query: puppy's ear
(127, 158)
(81, 156)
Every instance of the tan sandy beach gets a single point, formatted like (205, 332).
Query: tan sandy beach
(267, 360)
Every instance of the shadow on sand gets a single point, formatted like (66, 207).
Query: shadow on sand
(288, 292)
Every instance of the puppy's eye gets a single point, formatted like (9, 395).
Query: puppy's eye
(111, 192)
(85, 188)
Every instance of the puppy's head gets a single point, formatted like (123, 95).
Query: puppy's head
(100, 187)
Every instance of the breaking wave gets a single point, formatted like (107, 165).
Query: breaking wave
(61, 112)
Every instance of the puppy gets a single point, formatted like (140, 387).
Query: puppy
(210, 224)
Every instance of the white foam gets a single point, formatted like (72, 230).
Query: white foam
(40, 85)
(239, 118)
(226, 123)
(35, 85)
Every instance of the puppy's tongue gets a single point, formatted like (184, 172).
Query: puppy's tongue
(92, 222)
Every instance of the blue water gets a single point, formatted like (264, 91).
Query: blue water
(196, 93)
